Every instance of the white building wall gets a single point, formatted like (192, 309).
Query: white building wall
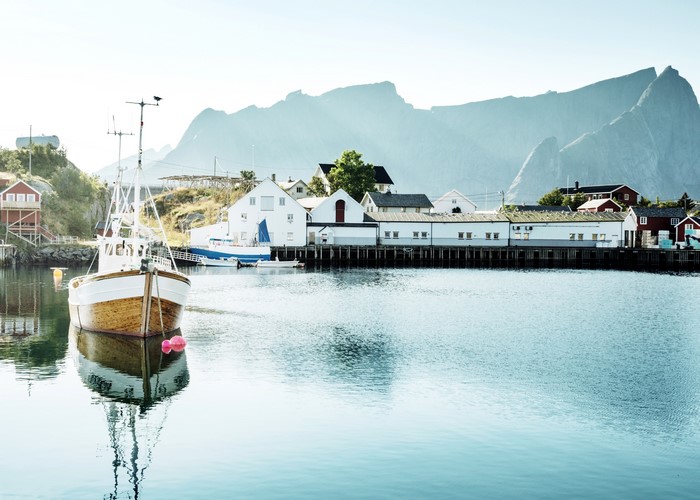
(325, 211)
(578, 234)
(444, 233)
(285, 217)
(451, 200)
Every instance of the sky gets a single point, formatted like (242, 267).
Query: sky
(70, 67)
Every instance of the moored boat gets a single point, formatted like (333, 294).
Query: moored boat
(224, 248)
(137, 289)
(279, 264)
(220, 262)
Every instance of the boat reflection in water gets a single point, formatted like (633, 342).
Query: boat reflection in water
(135, 381)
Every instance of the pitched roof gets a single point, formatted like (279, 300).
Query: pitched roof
(523, 217)
(380, 174)
(400, 200)
(597, 203)
(673, 212)
(604, 188)
(542, 208)
(436, 217)
(694, 219)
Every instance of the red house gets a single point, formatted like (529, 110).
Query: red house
(644, 225)
(689, 225)
(619, 192)
(20, 211)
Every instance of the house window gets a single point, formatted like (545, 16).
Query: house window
(572, 236)
(384, 209)
(387, 234)
(526, 236)
(674, 220)
(468, 236)
(267, 203)
(608, 209)
(244, 217)
(290, 217)
(396, 234)
(10, 197)
(595, 237)
(281, 201)
(403, 210)
(627, 196)
(415, 235)
(642, 220)
(495, 236)
(20, 196)
(454, 201)
(300, 189)
(252, 200)
(689, 227)
(601, 237)
(290, 236)
(244, 236)
(460, 236)
(488, 236)
(32, 198)
(418, 210)
(516, 236)
(580, 236)
(424, 235)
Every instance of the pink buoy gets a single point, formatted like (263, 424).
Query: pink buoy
(166, 346)
(178, 343)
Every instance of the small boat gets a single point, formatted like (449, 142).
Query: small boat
(137, 289)
(279, 264)
(220, 262)
(223, 248)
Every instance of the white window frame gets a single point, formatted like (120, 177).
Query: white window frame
(395, 234)
(282, 199)
(244, 216)
(387, 235)
(415, 235)
(674, 221)
(267, 203)
(290, 236)
(290, 217)
(252, 200)
(642, 221)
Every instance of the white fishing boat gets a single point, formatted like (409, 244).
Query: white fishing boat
(279, 264)
(224, 248)
(220, 262)
(137, 289)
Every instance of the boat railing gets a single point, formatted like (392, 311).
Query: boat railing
(161, 262)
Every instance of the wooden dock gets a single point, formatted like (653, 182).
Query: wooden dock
(502, 257)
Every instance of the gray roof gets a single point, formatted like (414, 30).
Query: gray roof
(525, 217)
(437, 217)
(400, 200)
(676, 212)
(605, 188)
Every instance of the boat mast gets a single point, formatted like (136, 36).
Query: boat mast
(137, 181)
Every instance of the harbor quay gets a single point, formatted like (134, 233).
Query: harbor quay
(640, 259)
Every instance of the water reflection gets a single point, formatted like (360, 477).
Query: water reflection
(134, 382)
(33, 321)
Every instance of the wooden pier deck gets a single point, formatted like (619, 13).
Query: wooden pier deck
(506, 257)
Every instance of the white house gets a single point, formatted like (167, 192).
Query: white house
(285, 217)
(297, 189)
(453, 202)
(340, 220)
(396, 203)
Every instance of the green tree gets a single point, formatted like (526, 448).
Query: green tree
(352, 175)
(248, 182)
(316, 186)
(575, 201)
(554, 198)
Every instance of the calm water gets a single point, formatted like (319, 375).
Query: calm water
(397, 383)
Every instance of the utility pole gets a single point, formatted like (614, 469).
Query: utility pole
(30, 150)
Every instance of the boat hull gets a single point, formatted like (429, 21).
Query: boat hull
(139, 304)
(246, 255)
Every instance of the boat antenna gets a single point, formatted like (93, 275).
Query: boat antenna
(117, 185)
(137, 184)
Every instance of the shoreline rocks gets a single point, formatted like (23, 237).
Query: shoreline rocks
(60, 255)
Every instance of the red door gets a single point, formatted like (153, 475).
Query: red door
(340, 211)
